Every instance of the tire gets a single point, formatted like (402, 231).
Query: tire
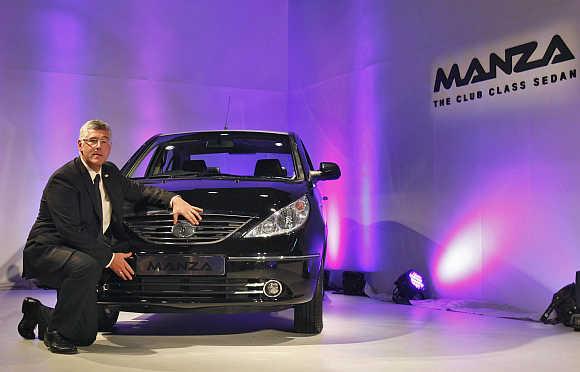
(106, 318)
(308, 316)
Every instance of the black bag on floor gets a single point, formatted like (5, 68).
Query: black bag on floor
(353, 283)
(564, 303)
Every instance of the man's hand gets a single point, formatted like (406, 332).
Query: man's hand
(121, 267)
(183, 208)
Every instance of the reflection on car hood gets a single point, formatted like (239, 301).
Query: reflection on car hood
(246, 197)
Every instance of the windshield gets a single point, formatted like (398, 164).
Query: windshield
(219, 155)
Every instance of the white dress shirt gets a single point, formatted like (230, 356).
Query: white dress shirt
(105, 201)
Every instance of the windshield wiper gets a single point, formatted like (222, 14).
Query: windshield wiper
(218, 176)
(178, 175)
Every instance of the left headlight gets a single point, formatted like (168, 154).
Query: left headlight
(283, 220)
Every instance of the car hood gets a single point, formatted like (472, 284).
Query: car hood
(233, 196)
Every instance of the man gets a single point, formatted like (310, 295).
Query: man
(78, 234)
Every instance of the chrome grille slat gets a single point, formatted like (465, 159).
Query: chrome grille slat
(171, 221)
(156, 228)
(197, 228)
(206, 286)
(168, 233)
(170, 287)
(182, 292)
(173, 238)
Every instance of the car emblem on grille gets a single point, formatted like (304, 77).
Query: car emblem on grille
(183, 229)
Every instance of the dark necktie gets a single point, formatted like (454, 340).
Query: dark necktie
(98, 198)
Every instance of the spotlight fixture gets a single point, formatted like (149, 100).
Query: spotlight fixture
(409, 286)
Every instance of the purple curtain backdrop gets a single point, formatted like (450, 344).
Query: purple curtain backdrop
(480, 197)
(145, 66)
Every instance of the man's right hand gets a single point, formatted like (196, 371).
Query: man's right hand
(121, 267)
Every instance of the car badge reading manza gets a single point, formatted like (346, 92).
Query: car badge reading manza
(183, 229)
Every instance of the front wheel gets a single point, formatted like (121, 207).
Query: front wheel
(308, 316)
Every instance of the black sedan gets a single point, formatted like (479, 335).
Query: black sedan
(262, 241)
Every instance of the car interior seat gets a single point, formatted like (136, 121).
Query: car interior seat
(197, 166)
(269, 168)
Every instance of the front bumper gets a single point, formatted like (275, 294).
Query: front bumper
(240, 289)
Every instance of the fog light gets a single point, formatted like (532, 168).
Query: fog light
(272, 288)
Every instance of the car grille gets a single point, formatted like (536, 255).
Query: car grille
(177, 289)
(156, 228)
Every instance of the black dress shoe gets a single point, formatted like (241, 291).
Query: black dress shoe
(59, 344)
(46, 336)
(31, 314)
(41, 330)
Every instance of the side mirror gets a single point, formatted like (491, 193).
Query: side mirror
(328, 171)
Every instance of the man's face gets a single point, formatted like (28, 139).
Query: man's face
(95, 148)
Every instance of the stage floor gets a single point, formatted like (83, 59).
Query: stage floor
(360, 334)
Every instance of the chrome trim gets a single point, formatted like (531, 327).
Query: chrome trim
(274, 258)
(276, 295)
(255, 284)
(165, 216)
(248, 292)
(164, 213)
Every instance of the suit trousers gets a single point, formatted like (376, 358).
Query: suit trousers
(75, 313)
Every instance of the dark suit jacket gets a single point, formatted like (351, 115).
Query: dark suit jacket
(69, 219)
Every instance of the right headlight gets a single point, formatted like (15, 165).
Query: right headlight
(283, 220)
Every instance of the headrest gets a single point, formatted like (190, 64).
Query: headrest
(269, 168)
(194, 166)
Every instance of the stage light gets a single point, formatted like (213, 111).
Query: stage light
(409, 286)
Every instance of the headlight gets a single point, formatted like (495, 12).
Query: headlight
(282, 221)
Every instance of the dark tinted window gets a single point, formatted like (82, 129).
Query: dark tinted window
(221, 155)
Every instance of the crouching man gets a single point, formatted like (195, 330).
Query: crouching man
(76, 235)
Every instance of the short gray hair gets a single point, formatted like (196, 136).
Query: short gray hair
(94, 124)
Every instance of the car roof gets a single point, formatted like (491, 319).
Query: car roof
(228, 131)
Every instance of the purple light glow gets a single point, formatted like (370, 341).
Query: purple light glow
(462, 255)
(149, 107)
(333, 258)
(368, 160)
(368, 156)
(61, 95)
(338, 226)
(353, 207)
(149, 93)
(485, 233)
